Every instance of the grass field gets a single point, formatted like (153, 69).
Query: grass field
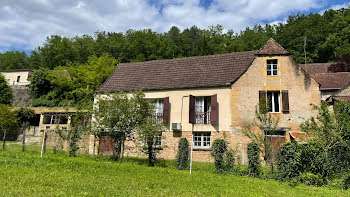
(26, 174)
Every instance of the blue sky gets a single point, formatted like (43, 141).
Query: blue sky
(25, 24)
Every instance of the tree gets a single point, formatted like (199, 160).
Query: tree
(5, 91)
(331, 129)
(25, 115)
(120, 115)
(13, 60)
(256, 131)
(40, 85)
(8, 122)
(149, 133)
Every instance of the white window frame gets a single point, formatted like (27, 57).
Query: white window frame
(55, 119)
(157, 140)
(202, 139)
(273, 67)
(273, 110)
(158, 105)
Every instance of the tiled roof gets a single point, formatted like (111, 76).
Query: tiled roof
(190, 72)
(272, 48)
(316, 67)
(341, 98)
(328, 81)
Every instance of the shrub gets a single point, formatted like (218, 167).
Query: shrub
(312, 179)
(288, 162)
(254, 168)
(229, 160)
(346, 181)
(314, 159)
(182, 155)
(218, 152)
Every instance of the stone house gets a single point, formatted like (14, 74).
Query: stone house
(209, 97)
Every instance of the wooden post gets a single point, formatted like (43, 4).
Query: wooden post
(4, 140)
(43, 146)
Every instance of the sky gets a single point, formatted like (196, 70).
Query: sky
(25, 24)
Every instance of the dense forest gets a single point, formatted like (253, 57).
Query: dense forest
(328, 36)
(69, 70)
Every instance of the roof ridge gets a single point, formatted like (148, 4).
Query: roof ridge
(191, 57)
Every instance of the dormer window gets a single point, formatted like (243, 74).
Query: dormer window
(271, 67)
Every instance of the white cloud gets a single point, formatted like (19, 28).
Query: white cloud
(27, 23)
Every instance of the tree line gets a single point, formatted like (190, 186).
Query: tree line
(327, 38)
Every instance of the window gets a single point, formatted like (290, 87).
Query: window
(158, 110)
(18, 78)
(201, 140)
(55, 119)
(203, 109)
(271, 67)
(157, 140)
(274, 101)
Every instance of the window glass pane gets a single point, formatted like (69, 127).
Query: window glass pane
(268, 72)
(269, 67)
(275, 66)
(275, 72)
(269, 100)
(200, 104)
(274, 61)
(276, 102)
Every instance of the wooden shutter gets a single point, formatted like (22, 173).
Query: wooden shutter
(285, 102)
(262, 98)
(166, 110)
(214, 110)
(192, 112)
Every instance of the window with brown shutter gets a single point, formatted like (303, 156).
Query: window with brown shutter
(285, 102)
(166, 108)
(214, 110)
(192, 112)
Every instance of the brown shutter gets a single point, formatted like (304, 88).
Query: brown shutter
(192, 112)
(214, 110)
(285, 102)
(166, 110)
(262, 95)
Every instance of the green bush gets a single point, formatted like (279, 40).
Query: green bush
(346, 181)
(254, 167)
(312, 179)
(314, 159)
(288, 162)
(229, 160)
(218, 152)
(182, 155)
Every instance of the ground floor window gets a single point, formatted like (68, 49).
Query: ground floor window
(202, 140)
(158, 140)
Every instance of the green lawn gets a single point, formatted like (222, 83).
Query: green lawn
(26, 174)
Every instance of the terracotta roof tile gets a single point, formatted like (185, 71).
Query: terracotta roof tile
(190, 72)
(341, 98)
(316, 67)
(272, 48)
(327, 81)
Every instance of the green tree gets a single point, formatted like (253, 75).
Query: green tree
(149, 133)
(13, 60)
(8, 122)
(40, 85)
(331, 129)
(25, 115)
(5, 91)
(121, 115)
(182, 157)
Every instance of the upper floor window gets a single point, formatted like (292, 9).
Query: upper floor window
(203, 109)
(274, 101)
(271, 67)
(158, 110)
